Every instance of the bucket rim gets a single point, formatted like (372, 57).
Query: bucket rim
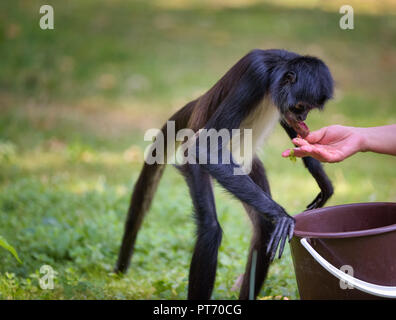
(348, 234)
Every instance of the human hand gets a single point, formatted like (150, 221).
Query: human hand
(329, 144)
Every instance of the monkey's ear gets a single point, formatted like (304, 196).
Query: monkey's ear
(290, 77)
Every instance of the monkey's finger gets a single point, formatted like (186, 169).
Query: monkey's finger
(270, 248)
(283, 242)
(277, 239)
(287, 232)
(315, 202)
(269, 245)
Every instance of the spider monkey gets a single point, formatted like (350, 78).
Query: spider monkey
(262, 88)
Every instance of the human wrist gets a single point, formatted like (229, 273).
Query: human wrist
(363, 140)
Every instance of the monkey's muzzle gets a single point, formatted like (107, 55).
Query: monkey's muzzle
(299, 126)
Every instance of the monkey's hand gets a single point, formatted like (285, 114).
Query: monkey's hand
(322, 197)
(284, 228)
(318, 202)
(323, 181)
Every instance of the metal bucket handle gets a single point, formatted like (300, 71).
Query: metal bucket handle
(371, 288)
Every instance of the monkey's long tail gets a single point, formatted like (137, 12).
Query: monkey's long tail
(143, 194)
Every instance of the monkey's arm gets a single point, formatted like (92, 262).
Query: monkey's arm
(243, 187)
(229, 115)
(315, 168)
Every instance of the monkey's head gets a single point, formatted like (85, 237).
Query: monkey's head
(300, 85)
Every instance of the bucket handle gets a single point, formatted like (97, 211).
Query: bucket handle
(371, 288)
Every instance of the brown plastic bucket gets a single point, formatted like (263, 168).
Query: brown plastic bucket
(346, 252)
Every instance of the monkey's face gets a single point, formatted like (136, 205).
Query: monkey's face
(295, 117)
(303, 84)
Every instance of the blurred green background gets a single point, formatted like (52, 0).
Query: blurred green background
(75, 102)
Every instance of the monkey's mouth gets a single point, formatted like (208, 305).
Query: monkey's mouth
(299, 126)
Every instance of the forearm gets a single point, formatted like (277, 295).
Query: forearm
(221, 166)
(378, 139)
(243, 187)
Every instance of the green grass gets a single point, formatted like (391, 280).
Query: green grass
(75, 102)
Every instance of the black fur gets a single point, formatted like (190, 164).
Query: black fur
(262, 230)
(204, 261)
(288, 79)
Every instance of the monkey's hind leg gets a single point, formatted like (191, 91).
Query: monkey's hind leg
(204, 261)
(261, 235)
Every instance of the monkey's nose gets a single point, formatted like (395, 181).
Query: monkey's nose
(302, 117)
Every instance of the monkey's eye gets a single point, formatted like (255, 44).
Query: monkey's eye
(299, 107)
(290, 77)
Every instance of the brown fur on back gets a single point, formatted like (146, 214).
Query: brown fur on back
(206, 105)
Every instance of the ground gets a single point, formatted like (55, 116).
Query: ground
(74, 105)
